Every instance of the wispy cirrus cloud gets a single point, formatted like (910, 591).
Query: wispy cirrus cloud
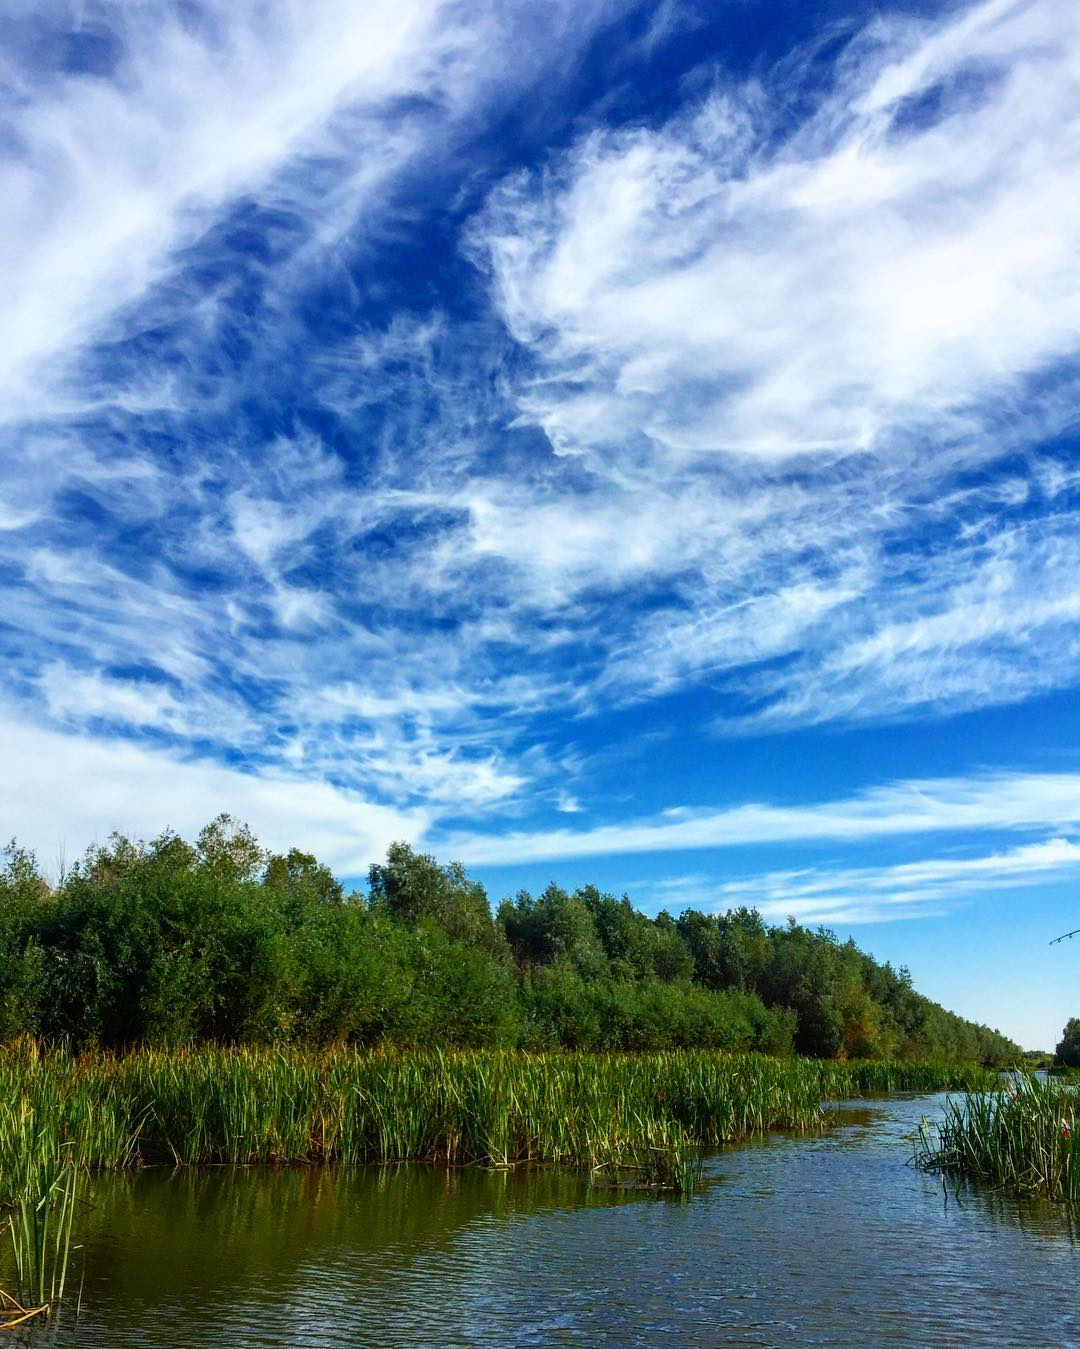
(130, 129)
(905, 890)
(1000, 801)
(893, 265)
(827, 329)
(186, 560)
(993, 621)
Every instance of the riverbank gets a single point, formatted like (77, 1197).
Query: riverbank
(630, 1118)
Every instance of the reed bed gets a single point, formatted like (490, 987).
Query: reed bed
(629, 1118)
(246, 1106)
(1021, 1136)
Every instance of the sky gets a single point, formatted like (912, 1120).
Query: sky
(602, 442)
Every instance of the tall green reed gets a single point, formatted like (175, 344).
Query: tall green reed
(243, 1106)
(39, 1189)
(1020, 1136)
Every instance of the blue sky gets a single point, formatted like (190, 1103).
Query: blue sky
(598, 441)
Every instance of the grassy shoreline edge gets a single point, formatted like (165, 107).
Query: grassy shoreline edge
(64, 1116)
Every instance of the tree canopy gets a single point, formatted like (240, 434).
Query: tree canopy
(1067, 1052)
(174, 942)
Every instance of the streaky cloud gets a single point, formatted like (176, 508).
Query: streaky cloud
(904, 890)
(1000, 801)
(347, 445)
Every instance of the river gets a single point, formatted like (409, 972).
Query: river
(831, 1239)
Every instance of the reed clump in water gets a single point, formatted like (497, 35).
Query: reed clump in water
(1022, 1136)
(39, 1189)
(243, 1106)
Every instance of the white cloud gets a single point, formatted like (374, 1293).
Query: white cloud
(775, 344)
(906, 890)
(994, 620)
(112, 175)
(115, 183)
(70, 791)
(992, 802)
(70, 694)
(419, 613)
(307, 107)
(716, 285)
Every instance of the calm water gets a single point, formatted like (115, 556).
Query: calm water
(794, 1241)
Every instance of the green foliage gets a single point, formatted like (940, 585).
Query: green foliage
(1067, 1052)
(24, 900)
(173, 943)
(249, 1105)
(1022, 1137)
(413, 887)
(298, 873)
(556, 928)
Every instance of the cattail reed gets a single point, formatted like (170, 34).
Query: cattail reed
(242, 1106)
(1020, 1136)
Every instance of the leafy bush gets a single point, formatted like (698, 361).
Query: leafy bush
(175, 943)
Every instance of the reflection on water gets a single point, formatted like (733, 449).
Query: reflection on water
(819, 1240)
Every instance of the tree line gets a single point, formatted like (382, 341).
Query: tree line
(171, 942)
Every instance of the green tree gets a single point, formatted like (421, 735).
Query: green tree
(175, 942)
(555, 928)
(412, 886)
(24, 905)
(1067, 1053)
(298, 873)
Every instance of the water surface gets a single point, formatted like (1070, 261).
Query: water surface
(793, 1241)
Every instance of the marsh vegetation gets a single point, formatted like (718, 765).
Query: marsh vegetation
(1021, 1136)
(249, 1105)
